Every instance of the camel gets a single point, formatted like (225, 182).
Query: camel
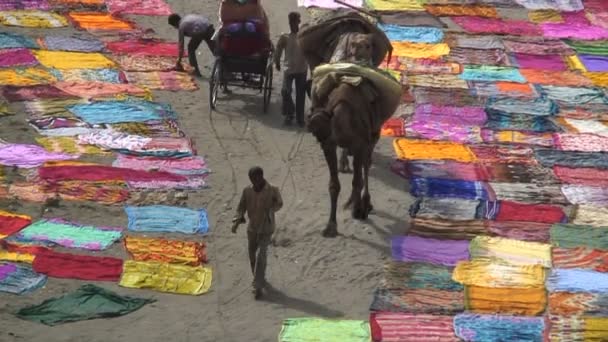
(350, 115)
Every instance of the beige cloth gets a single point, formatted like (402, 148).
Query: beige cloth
(294, 61)
(260, 208)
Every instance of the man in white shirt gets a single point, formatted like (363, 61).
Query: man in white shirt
(198, 28)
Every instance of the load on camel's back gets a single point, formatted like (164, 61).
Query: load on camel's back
(351, 100)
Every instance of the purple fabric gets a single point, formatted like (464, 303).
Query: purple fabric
(28, 156)
(442, 252)
(540, 62)
(437, 130)
(594, 63)
(17, 58)
(6, 269)
(7, 5)
(73, 43)
(580, 32)
(472, 116)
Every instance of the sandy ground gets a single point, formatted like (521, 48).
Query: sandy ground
(310, 275)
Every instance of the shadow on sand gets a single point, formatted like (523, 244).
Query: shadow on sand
(276, 296)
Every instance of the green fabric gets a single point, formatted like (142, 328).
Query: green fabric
(88, 302)
(324, 330)
(591, 48)
(571, 236)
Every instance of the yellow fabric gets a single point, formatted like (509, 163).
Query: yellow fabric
(596, 328)
(599, 79)
(517, 137)
(16, 257)
(511, 251)
(420, 50)
(166, 277)
(545, 16)
(72, 60)
(68, 145)
(462, 10)
(189, 253)
(437, 81)
(38, 19)
(9, 214)
(25, 77)
(575, 63)
(485, 273)
(395, 5)
(413, 149)
(512, 301)
(4, 109)
(99, 21)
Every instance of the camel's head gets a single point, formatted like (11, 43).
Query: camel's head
(360, 47)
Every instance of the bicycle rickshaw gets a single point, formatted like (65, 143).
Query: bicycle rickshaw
(243, 59)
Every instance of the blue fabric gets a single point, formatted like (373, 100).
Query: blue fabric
(577, 280)
(110, 112)
(499, 120)
(550, 158)
(91, 75)
(498, 328)
(489, 73)
(68, 43)
(160, 218)
(573, 95)
(12, 41)
(415, 34)
(21, 280)
(537, 106)
(435, 187)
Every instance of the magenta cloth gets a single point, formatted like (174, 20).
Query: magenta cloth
(186, 165)
(37, 92)
(469, 115)
(8, 5)
(17, 58)
(540, 62)
(28, 156)
(599, 18)
(442, 252)
(438, 130)
(575, 18)
(140, 7)
(498, 26)
(594, 63)
(599, 5)
(581, 142)
(580, 32)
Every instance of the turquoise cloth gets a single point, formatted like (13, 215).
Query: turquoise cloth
(12, 41)
(489, 73)
(414, 34)
(160, 218)
(111, 112)
(498, 328)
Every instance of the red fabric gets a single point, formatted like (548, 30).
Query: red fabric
(582, 176)
(149, 47)
(14, 94)
(22, 249)
(83, 267)
(9, 225)
(543, 213)
(103, 173)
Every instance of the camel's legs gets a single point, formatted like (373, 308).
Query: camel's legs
(344, 165)
(331, 157)
(366, 198)
(355, 197)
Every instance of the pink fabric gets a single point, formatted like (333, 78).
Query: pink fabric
(17, 58)
(28, 156)
(575, 18)
(37, 92)
(90, 90)
(600, 5)
(498, 26)
(188, 184)
(581, 142)
(581, 32)
(148, 47)
(141, 7)
(540, 62)
(437, 130)
(175, 165)
(472, 116)
(581, 175)
(598, 18)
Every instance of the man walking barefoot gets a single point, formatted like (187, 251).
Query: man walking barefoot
(260, 201)
(295, 71)
(198, 28)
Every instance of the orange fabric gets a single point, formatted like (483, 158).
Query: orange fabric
(462, 10)
(557, 78)
(412, 149)
(167, 251)
(99, 21)
(570, 304)
(512, 301)
(513, 87)
(598, 79)
(96, 90)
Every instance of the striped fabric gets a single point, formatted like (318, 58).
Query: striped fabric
(393, 327)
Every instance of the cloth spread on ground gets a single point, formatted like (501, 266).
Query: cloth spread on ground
(434, 187)
(510, 301)
(148, 47)
(390, 5)
(445, 208)
(72, 60)
(183, 166)
(497, 26)
(162, 80)
(528, 193)
(551, 158)
(419, 275)
(330, 4)
(121, 111)
(83, 267)
(99, 21)
(577, 280)
(578, 328)
(489, 73)
(488, 273)
(19, 57)
(71, 43)
(471, 327)
(67, 145)
(406, 327)
(164, 277)
(462, 10)
(581, 175)
(573, 236)
(419, 149)
(37, 92)
(574, 304)
(446, 229)
(581, 257)
(419, 50)
(453, 82)
(98, 90)
(161, 218)
(590, 215)
(139, 7)
(102, 173)
(36, 19)
(17, 278)
(442, 252)
(510, 251)
(28, 156)
(87, 302)
(22, 77)
(418, 301)
(144, 63)
(318, 329)
(139, 145)
(6, 5)
(189, 253)
(88, 75)
(10, 40)
(11, 223)
(429, 35)
(69, 234)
